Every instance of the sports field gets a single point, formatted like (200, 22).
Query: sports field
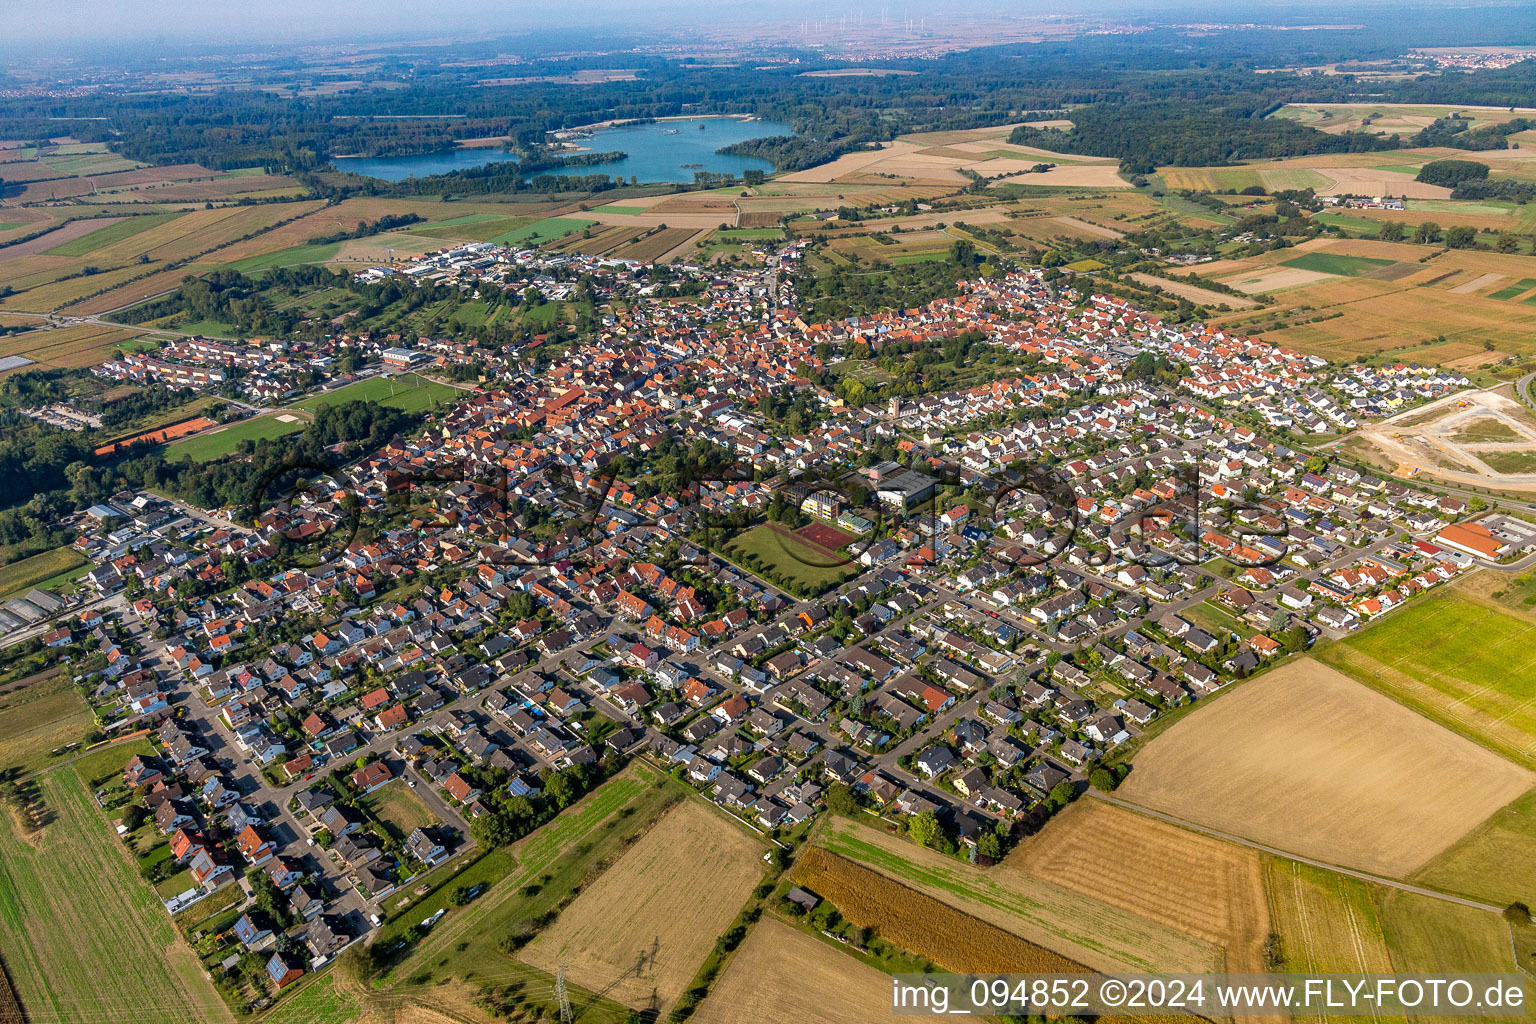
(216, 445)
(1460, 660)
(1307, 760)
(781, 557)
(408, 392)
(83, 936)
(781, 975)
(643, 928)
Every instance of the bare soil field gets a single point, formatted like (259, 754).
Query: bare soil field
(781, 975)
(1092, 229)
(1274, 279)
(1307, 760)
(645, 925)
(1192, 883)
(1441, 440)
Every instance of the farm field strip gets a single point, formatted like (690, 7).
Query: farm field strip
(1308, 760)
(84, 938)
(1013, 897)
(920, 923)
(641, 930)
(1464, 663)
(781, 975)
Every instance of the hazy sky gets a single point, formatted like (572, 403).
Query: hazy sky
(48, 24)
(32, 22)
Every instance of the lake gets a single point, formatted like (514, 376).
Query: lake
(657, 152)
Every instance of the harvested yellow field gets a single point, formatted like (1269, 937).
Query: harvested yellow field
(77, 345)
(644, 927)
(919, 923)
(1085, 927)
(1194, 884)
(781, 975)
(1309, 761)
(133, 292)
(1274, 279)
(1194, 293)
(1093, 230)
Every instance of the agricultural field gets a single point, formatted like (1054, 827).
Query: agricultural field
(1326, 921)
(39, 715)
(1193, 884)
(1307, 760)
(219, 443)
(461, 954)
(325, 1000)
(73, 346)
(781, 975)
(541, 231)
(1492, 862)
(1334, 263)
(1020, 897)
(1425, 934)
(640, 932)
(1461, 292)
(408, 392)
(919, 923)
(18, 576)
(1456, 658)
(83, 935)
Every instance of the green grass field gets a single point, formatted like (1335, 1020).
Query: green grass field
(1348, 223)
(1492, 862)
(40, 717)
(84, 937)
(623, 211)
(1509, 291)
(1428, 935)
(1458, 661)
(789, 562)
(399, 810)
(546, 868)
(101, 237)
(408, 392)
(1333, 263)
(22, 575)
(317, 1001)
(545, 230)
(207, 447)
(287, 257)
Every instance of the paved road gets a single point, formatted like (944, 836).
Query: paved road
(1364, 876)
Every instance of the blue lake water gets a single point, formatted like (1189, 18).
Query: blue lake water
(662, 151)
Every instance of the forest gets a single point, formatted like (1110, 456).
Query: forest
(1204, 104)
